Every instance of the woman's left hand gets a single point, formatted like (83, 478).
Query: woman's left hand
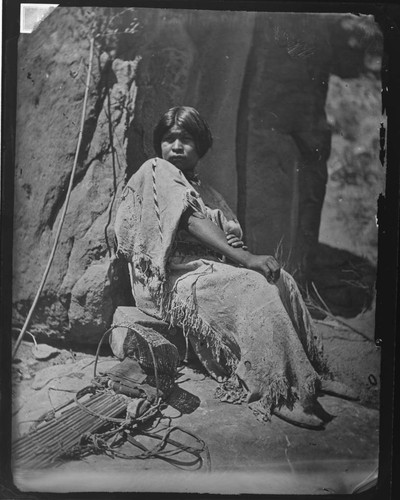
(234, 234)
(234, 241)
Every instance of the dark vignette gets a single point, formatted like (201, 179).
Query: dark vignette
(387, 14)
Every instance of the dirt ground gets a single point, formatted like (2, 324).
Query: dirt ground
(246, 455)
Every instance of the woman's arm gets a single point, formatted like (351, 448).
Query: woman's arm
(214, 238)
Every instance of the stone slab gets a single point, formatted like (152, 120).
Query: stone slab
(136, 334)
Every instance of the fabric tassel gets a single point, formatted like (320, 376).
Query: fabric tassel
(185, 315)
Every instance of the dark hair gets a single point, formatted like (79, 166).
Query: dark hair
(191, 121)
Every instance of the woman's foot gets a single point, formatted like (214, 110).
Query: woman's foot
(333, 388)
(298, 416)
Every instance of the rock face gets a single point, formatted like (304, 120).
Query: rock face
(283, 136)
(52, 73)
(260, 79)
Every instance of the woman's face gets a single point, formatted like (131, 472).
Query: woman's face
(178, 147)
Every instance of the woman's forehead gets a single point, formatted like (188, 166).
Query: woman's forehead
(177, 130)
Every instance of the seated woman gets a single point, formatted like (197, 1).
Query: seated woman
(242, 314)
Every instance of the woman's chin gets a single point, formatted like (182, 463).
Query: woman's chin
(181, 166)
(178, 163)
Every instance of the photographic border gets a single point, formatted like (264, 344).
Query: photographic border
(388, 16)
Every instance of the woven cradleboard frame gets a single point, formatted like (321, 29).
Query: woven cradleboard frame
(58, 434)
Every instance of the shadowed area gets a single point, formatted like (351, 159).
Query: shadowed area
(346, 282)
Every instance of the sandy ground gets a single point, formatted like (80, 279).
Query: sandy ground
(247, 455)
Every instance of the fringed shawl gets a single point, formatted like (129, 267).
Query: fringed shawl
(147, 220)
(237, 322)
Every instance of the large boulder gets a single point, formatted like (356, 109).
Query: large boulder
(51, 86)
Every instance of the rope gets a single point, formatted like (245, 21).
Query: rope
(154, 408)
(189, 449)
(155, 196)
(155, 371)
(97, 444)
(71, 181)
(98, 348)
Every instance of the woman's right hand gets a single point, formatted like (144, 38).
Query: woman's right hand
(265, 264)
(213, 237)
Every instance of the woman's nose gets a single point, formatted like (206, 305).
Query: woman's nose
(177, 145)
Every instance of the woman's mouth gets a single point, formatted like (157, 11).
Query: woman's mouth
(176, 159)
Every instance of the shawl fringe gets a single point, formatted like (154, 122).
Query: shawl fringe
(276, 393)
(185, 315)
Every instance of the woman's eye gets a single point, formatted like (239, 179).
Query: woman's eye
(186, 139)
(177, 135)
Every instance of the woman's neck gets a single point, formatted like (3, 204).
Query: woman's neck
(191, 175)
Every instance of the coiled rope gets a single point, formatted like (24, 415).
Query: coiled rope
(97, 443)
